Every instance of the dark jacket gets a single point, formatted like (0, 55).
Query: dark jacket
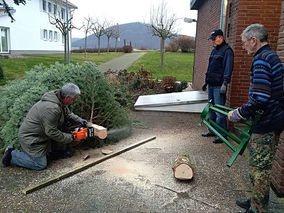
(220, 66)
(265, 89)
(43, 123)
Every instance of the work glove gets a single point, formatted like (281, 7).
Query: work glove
(204, 87)
(83, 122)
(234, 116)
(223, 89)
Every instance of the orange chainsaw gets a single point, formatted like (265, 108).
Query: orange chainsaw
(83, 133)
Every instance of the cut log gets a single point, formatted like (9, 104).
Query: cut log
(182, 167)
(99, 131)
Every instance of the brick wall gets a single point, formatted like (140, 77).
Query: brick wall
(240, 14)
(208, 20)
(277, 178)
(265, 12)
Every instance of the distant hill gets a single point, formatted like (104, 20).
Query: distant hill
(75, 39)
(137, 33)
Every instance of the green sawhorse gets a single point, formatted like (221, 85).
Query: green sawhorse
(242, 140)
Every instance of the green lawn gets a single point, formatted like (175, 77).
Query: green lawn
(15, 68)
(179, 65)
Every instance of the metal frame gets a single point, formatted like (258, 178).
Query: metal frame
(242, 140)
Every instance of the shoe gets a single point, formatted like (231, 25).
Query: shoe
(249, 211)
(243, 203)
(208, 134)
(217, 140)
(7, 157)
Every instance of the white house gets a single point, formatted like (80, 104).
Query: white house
(31, 31)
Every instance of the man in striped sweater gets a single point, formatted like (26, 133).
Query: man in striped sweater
(263, 108)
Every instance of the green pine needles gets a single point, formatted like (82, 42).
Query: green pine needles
(97, 102)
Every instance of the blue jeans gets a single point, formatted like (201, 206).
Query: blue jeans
(217, 98)
(24, 160)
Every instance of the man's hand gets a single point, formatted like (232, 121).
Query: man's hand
(204, 87)
(234, 116)
(223, 89)
(83, 122)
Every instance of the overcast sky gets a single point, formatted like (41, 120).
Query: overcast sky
(127, 11)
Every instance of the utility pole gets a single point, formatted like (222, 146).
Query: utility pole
(67, 30)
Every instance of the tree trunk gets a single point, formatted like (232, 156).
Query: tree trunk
(65, 48)
(85, 45)
(182, 167)
(115, 44)
(162, 47)
(108, 44)
(99, 131)
(99, 45)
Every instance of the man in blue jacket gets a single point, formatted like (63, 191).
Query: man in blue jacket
(264, 109)
(218, 75)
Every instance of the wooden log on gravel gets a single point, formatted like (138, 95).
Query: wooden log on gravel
(99, 131)
(182, 167)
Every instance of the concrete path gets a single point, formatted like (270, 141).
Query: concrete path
(122, 62)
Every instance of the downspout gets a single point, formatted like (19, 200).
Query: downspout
(223, 15)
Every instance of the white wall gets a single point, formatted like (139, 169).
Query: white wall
(25, 32)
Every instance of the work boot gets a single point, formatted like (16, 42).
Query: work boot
(249, 211)
(243, 203)
(7, 157)
(208, 134)
(217, 140)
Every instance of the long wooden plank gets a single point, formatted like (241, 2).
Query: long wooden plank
(78, 169)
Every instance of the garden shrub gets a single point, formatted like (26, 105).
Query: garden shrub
(97, 102)
(95, 50)
(181, 86)
(168, 83)
(127, 48)
(186, 43)
(173, 46)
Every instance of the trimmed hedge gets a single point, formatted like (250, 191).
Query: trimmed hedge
(97, 98)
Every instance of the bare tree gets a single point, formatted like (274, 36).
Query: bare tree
(8, 9)
(109, 32)
(162, 25)
(87, 28)
(116, 34)
(61, 23)
(98, 29)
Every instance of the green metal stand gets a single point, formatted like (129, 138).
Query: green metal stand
(242, 141)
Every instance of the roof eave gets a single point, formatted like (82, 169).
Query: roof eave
(71, 4)
(196, 4)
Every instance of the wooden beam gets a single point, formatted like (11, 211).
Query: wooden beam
(76, 170)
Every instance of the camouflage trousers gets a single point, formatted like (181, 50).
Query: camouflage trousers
(262, 149)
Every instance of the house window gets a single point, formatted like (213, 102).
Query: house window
(4, 48)
(50, 35)
(230, 10)
(54, 9)
(228, 30)
(44, 34)
(49, 7)
(55, 36)
(62, 13)
(44, 5)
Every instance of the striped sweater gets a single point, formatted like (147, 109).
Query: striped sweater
(265, 88)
